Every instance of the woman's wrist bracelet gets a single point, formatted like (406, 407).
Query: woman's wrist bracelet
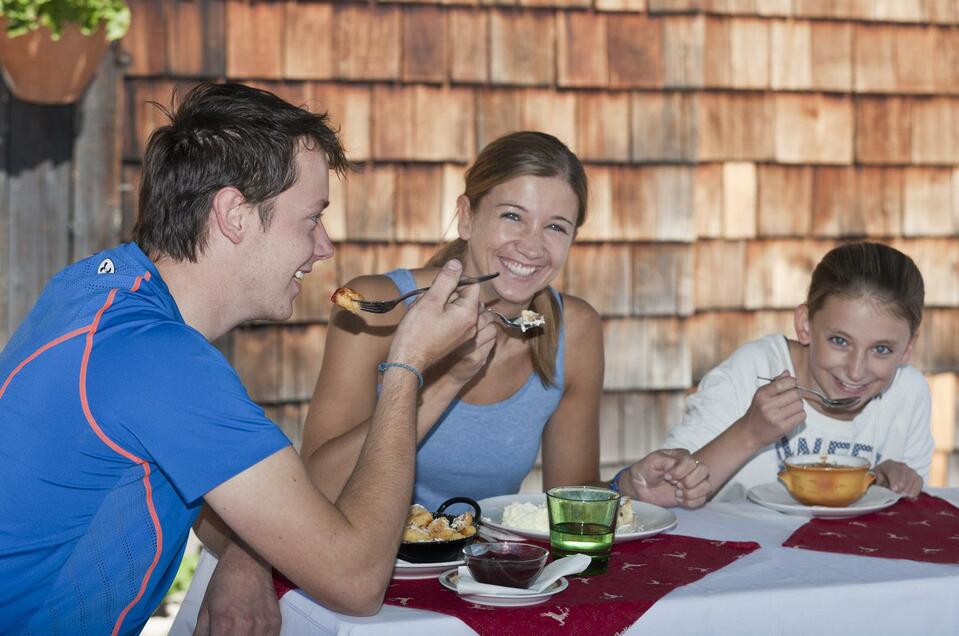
(614, 482)
(383, 366)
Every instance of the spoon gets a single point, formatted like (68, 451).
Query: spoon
(836, 403)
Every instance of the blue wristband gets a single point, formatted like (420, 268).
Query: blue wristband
(383, 366)
(614, 482)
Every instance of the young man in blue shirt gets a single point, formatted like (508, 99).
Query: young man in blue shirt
(119, 419)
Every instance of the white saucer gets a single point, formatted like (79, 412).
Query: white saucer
(650, 519)
(775, 496)
(521, 598)
(405, 571)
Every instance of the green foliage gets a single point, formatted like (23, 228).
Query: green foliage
(184, 574)
(23, 16)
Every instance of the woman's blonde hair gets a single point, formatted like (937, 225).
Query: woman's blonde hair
(514, 155)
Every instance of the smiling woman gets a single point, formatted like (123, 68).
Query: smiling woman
(524, 198)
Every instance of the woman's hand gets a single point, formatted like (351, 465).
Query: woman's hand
(776, 409)
(667, 477)
(899, 478)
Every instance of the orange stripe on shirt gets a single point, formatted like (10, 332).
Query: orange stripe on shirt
(147, 486)
(32, 356)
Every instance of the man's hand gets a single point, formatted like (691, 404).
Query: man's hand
(776, 409)
(667, 477)
(434, 324)
(470, 357)
(239, 599)
(899, 478)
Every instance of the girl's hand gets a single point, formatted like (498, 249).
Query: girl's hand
(899, 478)
(776, 409)
(667, 477)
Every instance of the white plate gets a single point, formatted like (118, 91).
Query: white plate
(650, 518)
(775, 496)
(408, 571)
(520, 599)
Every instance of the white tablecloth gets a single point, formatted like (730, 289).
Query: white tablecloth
(774, 590)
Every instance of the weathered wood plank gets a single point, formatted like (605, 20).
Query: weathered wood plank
(719, 274)
(40, 162)
(602, 275)
(424, 44)
(256, 356)
(521, 50)
(662, 279)
(657, 358)
(647, 417)
(777, 272)
(419, 191)
(96, 217)
(601, 119)
(301, 356)
(784, 200)
(469, 45)
(370, 197)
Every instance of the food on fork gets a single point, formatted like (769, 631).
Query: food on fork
(422, 526)
(348, 299)
(529, 319)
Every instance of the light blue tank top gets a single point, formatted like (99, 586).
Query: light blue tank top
(483, 450)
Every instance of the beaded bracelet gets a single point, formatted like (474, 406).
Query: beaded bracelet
(383, 366)
(614, 482)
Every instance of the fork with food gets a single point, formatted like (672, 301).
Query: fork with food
(354, 301)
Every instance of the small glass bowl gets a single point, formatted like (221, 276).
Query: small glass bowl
(505, 563)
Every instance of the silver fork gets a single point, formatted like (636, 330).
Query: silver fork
(383, 306)
(828, 401)
(509, 322)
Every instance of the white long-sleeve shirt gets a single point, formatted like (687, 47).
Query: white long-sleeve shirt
(893, 426)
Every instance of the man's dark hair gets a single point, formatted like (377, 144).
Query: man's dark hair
(222, 135)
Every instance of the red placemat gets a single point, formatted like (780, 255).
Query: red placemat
(921, 529)
(640, 573)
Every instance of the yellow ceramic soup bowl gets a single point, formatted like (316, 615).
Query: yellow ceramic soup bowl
(827, 480)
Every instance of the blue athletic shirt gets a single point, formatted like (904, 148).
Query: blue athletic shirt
(116, 417)
(484, 450)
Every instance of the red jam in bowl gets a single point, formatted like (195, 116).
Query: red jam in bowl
(505, 563)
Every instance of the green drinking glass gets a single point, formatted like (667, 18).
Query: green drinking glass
(582, 520)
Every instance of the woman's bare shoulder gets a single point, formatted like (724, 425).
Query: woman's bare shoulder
(581, 319)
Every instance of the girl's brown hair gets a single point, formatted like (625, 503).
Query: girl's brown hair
(514, 155)
(870, 270)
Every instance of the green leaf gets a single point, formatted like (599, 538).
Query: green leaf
(23, 16)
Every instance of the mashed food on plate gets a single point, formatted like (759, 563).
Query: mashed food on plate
(526, 516)
(529, 516)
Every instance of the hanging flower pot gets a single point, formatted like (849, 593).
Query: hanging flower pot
(50, 49)
(40, 69)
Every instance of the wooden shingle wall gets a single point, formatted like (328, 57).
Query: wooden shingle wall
(729, 144)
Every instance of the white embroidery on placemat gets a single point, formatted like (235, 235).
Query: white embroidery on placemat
(559, 617)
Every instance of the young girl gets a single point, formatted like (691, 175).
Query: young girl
(854, 336)
(492, 406)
